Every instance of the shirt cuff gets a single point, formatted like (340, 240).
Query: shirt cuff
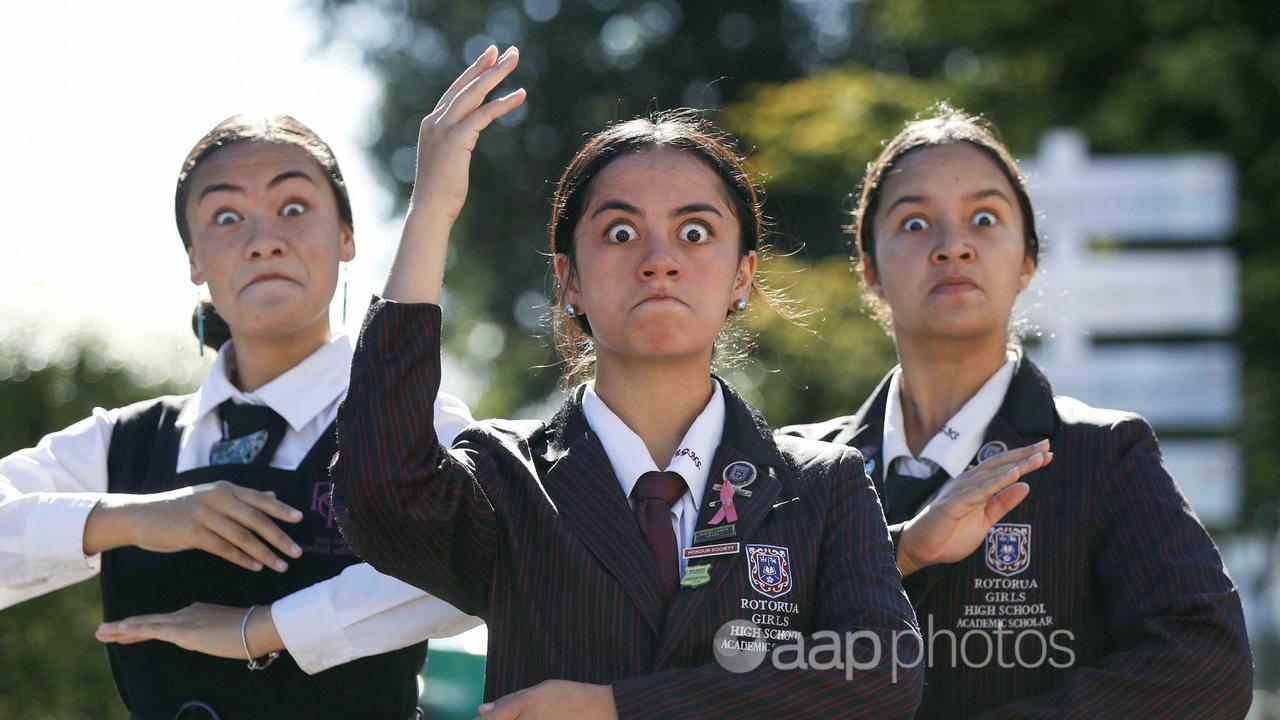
(307, 623)
(55, 527)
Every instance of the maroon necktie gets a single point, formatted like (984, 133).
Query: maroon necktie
(654, 494)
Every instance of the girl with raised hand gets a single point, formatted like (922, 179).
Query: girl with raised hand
(607, 546)
(209, 515)
(1056, 569)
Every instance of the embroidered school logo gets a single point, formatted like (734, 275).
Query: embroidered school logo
(322, 501)
(1009, 548)
(769, 569)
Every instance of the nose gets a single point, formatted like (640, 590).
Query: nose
(264, 241)
(953, 245)
(659, 262)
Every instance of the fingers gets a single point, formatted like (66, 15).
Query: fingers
(482, 63)
(471, 96)
(1006, 500)
(1012, 457)
(245, 541)
(249, 516)
(490, 111)
(136, 629)
(215, 544)
(267, 503)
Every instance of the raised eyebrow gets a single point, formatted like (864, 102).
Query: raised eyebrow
(289, 175)
(905, 200)
(991, 192)
(692, 208)
(219, 187)
(617, 205)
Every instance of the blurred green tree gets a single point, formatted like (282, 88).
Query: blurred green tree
(50, 664)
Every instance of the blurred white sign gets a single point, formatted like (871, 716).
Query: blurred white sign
(1176, 293)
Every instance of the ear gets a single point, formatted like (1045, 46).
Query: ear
(197, 273)
(872, 275)
(746, 273)
(1028, 272)
(565, 276)
(347, 244)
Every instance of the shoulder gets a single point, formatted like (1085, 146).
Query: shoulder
(150, 411)
(826, 431)
(817, 460)
(1116, 427)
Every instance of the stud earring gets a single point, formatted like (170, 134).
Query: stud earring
(740, 305)
(571, 310)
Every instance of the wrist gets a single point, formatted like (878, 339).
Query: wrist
(111, 524)
(261, 634)
(907, 562)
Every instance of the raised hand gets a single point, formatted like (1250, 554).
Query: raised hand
(954, 523)
(232, 522)
(446, 140)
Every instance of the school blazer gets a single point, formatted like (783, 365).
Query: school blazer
(1104, 548)
(524, 524)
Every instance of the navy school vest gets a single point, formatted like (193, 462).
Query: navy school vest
(155, 678)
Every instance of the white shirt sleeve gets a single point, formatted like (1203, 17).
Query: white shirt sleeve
(361, 612)
(46, 494)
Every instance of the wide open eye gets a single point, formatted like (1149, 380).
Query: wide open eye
(915, 224)
(293, 208)
(694, 232)
(621, 233)
(985, 218)
(226, 217)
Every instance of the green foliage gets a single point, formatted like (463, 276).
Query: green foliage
(824, 365)
(50, 664)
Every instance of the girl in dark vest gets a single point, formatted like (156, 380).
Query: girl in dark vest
(607, 547)
(209, 515)
(1056, 569)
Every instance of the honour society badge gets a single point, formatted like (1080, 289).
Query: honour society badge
(769, 568)
(1009, 548)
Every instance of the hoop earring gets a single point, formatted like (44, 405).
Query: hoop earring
(571, 310)
(740, 305)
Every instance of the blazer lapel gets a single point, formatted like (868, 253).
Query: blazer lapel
(581, 483)
(746, 439)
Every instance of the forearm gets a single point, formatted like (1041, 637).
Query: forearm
(111, 523)
(406, 504)
(417, 274)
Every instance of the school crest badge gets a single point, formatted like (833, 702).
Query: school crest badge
(769, 568)
(1009, 548)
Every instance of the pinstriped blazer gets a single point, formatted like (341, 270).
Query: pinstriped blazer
(1104, 548)
(525, 525)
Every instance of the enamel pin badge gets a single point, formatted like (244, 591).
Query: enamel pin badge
(696, 575)
(735, 478)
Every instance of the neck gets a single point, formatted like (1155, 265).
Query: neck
(260, 359)
(938, 378)
(658, 401)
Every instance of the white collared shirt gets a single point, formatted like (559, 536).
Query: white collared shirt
(47, 492)
(630, 457)
(955, 446)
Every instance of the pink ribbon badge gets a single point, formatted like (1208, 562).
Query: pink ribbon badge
(727, 511)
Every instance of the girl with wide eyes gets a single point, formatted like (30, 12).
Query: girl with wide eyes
(1036, 527)
(209, 515)
(606, 547)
